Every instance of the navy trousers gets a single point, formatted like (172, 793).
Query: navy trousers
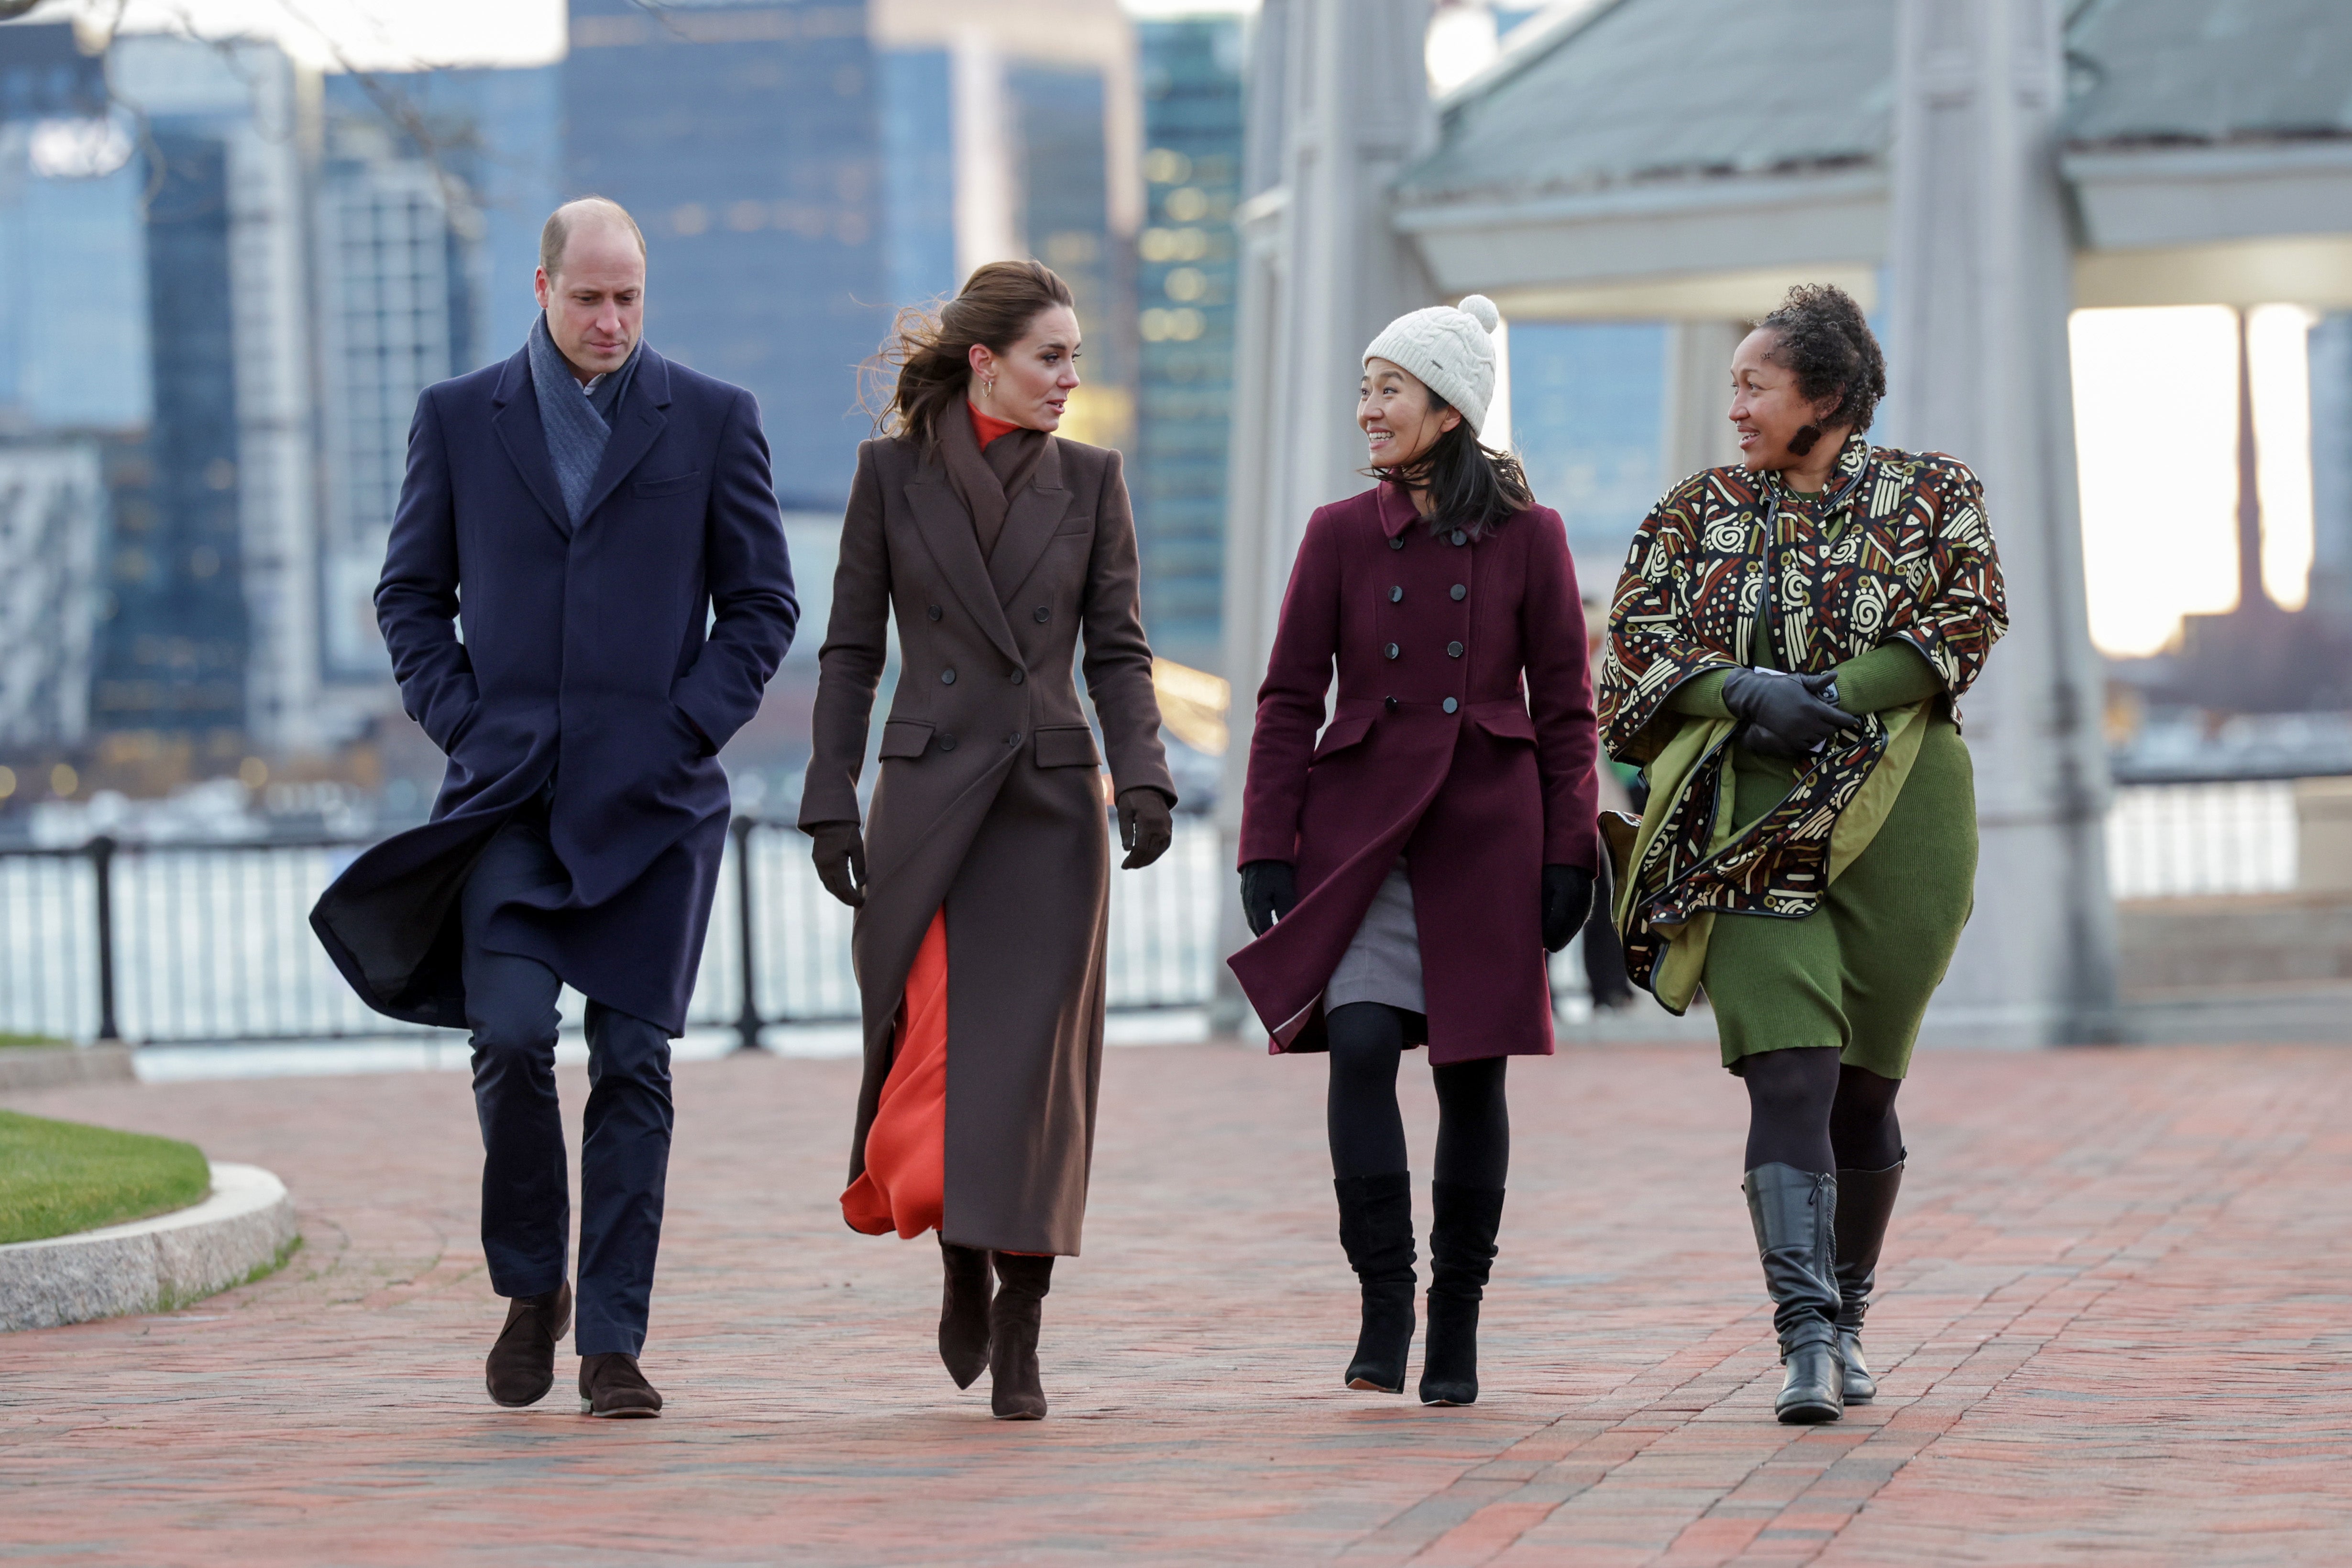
(624, 1144)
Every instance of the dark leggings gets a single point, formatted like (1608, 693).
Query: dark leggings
(1473, 1121)
(1808, 1110)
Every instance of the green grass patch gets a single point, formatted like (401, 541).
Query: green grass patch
(59, 1177)
(9, 1039)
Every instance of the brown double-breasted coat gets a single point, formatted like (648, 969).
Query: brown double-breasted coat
(989, 801)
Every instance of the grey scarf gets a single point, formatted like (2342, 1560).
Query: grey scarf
(577, 424)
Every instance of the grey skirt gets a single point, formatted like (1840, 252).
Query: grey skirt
(1383, 963)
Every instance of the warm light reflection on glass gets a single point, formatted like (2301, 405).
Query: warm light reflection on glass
(2155, 430)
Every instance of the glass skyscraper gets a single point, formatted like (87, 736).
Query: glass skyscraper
(1192, 130)
(745, 139)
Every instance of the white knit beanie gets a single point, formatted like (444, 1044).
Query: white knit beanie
(1451, 348)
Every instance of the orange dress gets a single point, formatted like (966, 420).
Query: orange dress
(904, 1187)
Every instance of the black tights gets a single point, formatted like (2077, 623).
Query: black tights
(1808, 1110)
(1474, 1121)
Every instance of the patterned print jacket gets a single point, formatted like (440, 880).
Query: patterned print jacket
(1896, 548)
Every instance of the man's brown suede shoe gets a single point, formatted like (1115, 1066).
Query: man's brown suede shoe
(611, 1384)
(521, 1365)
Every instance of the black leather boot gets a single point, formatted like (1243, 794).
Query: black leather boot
(1016, 1392)
(1865, 1202)
(1795, 1215)
(1461, 1250)
(963, 1311)
(1376, 1228)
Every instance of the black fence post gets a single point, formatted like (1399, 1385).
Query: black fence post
(101, 864)
(747, 1021)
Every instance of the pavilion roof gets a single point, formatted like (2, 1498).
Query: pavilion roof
(2208, 71)
(1642, 92)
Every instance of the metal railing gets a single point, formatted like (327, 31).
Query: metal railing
(175, 942)
(190, 943)
(2176, 841)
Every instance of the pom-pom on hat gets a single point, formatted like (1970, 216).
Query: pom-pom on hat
(1451, 348)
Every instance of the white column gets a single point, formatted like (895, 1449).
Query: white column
(1695, 432)
(1338, 100)
(1979, 288)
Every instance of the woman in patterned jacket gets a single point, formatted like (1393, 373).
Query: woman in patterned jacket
(1787, 647)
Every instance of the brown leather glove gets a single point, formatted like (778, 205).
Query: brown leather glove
(840, 856)
(1147, 825)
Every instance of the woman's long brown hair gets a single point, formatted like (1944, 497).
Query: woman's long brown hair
(927, 361)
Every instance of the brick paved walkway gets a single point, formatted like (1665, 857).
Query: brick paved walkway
(2117, 1332)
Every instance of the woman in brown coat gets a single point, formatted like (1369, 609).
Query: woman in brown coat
(981, 929)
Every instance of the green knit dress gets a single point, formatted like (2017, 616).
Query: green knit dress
(1857, 972)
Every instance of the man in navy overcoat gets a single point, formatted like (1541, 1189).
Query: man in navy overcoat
(603, 525)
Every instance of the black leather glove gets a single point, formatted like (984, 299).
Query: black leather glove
(1269, 892)
(1785, 715)
(840, 856)
(1146, 826)
(1567, 900)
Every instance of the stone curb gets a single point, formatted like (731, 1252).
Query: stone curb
(242, 1231)
(44, 1067)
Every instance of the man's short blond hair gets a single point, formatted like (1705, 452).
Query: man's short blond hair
(558, 232)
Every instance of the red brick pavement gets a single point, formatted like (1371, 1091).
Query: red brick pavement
(2116, 1333)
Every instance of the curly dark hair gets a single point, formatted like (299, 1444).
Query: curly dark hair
(1824, 337)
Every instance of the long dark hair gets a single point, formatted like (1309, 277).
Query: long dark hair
(927, 361)
(1471, 486)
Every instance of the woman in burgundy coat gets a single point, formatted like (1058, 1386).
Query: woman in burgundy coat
(1406, 871)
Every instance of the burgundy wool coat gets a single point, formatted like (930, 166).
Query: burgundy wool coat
(1462, 739)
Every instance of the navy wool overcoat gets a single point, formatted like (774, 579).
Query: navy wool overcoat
(612, 659)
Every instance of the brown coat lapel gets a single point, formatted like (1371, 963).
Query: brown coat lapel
(947, 530)
(1037, 511)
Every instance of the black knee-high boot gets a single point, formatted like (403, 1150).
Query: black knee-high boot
(1795, 1215)
(1376, 1228)
(1016, 1392)
(1461, 1251)
(963, 1311)
(1865, 1202)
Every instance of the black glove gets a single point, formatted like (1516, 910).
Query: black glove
(840, 857)
(1567, 900)
(1145, 826)
(1269, 892)
(1785, 715)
